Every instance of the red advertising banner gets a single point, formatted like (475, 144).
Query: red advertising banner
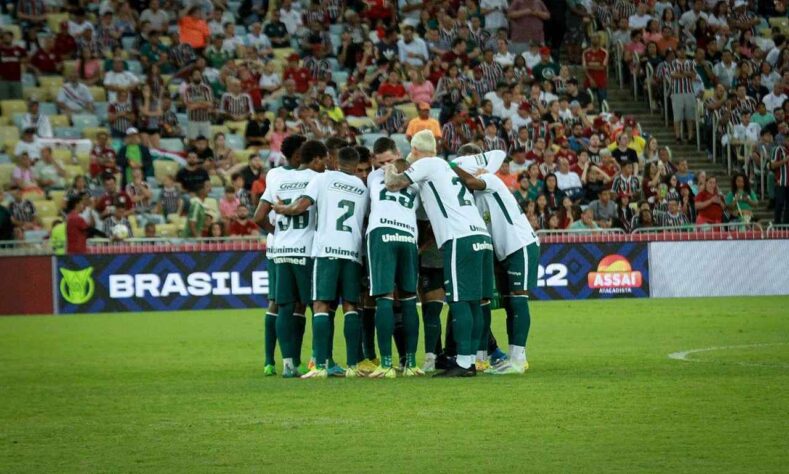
(27, 285)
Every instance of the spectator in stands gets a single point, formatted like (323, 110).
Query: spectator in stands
(50, 172)
(242, 225)
(626, 181)
(193, 29)
(134, 155)
(13, 60)
(46, 61)
(683, 174)
(35, 120)
(672, 217)
(112, 198)
(158, 18)
(604, 209)
(776, 98)
(228, 204)
(77, 226)
(199, 101)
(24, 175)
(119, 80)
(251, 171)
(193, 176)
(683, 99)
(586, 222)
(552, 193)
(23, 213)
(116, 216)
(121, 114)
(709, 203)
(779, 164)
(741, 199)
(28, 145)
(74, 97)
(455, 132)
(149, 231)
(89, 68)
(170, 199)
(196, 221)
(624, 213)
(623, 152)
(568, 181)
(215, 230)
(526, 23)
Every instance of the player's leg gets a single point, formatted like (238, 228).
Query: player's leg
(286, 296)
(366, 348)
(406, 282)
(300, 325)
(324, 288)
(350, 289)
(270, 321)
(381, 270)
(487, 284)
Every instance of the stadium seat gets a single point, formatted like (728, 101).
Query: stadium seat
(239, 127)
(340, 77)
(409, 110)
(243, 155)
(4, 159)
(59, 121)
(236, 142)
(368, 139)
(83, 159)
(12, 106)
(166, 230)
(46, 222)
(61, 154)
(216, 181)
(47, 108)
(83, 121)
(6, 170)
(218, 129)
(38, 93)
(15, 30)
(73, 170)
(55, 19)
(283, 53)
(50, 82)
(9, 134)
(92, 132)
(98, 93)
(67, 132)
(59, 198)
(360, 122)
(16, 120)
(216, 192)
(212, 205)
(128, 45)
(46, 208)
(100, 109)
(6, 121)
(172, 144)
(162, 168)
(403, 144)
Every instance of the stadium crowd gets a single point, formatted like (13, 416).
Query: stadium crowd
(144, 115)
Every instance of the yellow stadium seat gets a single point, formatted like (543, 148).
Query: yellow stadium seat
(238, 128)
(46, 209)
(166, 230)
(15, 30)
(55, 19)
(59, 198)
(38, 93)
(62, 154)
(216, 180)
(165, 40)
(162, 168)
(218, 129)
(166, 78)
(98, 93)
(35, 197)
(371, 112)
(91, 132)
(46, 222)
(409, 110)
(243, 155)
(83, 158)
(9, 133)
(13, 106)
(212, 205)
(283, 53)
(10, 146)
(49, 82)
(360, 122)
(69, 66)
(73, 170)
(59, 121)
(270, 115)
(5, 121)
(779, 21)
(6, 169)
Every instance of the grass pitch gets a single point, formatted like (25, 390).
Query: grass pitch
(183, 392)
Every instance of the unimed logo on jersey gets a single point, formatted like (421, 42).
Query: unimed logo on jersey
(614, 275)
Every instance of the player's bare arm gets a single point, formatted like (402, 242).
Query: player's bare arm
(471, 182)
(393, 180)
(295, 208)
(261, 216)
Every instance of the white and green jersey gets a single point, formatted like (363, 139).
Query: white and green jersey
(271, 180)
(292, 234)
(396, 210)
(341, 200)
(447, 202)
(508, 226)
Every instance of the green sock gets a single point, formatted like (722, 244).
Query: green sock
(411, 327)
(384, 326)
(270, 337)
(510, 318)
(484, 336)
(330, 353)
(353, 335)
(368, 333)
(521, 321)
(285, 330)
(476, 325)
(431, 320)
(320, 336)
(462, 323)
(299, 323)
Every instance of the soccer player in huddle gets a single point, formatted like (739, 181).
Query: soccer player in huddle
(515, 244)
(265, 218)
(341, 202)
(393, 258)
(292, 250)
(463, 238)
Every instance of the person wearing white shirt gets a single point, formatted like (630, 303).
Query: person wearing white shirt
(532, 55)
(503, 56)
(232, 44)
(412, 50)
(157, 17)
(496, 97)
(775, 99)
(79, 24)
(688, 19)
(291, 17)
(28, 144)
(639, 20)
(744, 132)
(117, 80)
(33, 119)
(726, 70)
(410, 11)
(507, 108)
(522, 118)
(257, 39)
(566, 180)
(495, 12)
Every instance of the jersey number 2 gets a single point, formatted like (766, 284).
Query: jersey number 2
(349, 207)
(462, 193)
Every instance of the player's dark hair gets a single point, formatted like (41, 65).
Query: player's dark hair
(384, 144)
(291, 144)
(312, 149)
(335, 143)
(348, 156)
(469, 149)
(364, 153)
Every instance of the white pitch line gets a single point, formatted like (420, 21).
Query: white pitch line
(683, 355)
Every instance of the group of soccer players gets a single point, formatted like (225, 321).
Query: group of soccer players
(375, 241)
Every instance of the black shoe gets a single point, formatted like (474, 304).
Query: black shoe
(443, 362)
(458, 371)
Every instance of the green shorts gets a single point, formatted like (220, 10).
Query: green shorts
(393, 260)
(468, 268)
(293, 277)
(333, 277)
(521, 269)
(272, 279)
(431, 279)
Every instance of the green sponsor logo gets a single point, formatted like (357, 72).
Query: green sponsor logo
(77, 286)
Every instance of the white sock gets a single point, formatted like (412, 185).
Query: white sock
(482, 356)
(465, 361)
(509, 350)
(430, 357)
(518, 353)
(288, 363)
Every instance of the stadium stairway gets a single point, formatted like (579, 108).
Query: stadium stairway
(621, 100)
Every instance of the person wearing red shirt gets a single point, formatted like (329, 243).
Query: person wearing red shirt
(102, 157)
(241, 225)
(392, 87)
(354, 102)
(77, 228)
(65, 44)
(595, 63)
(11, 59)
(46, 60)
(112, 197)
(709, 203)
(300, 75)
(457, 54)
